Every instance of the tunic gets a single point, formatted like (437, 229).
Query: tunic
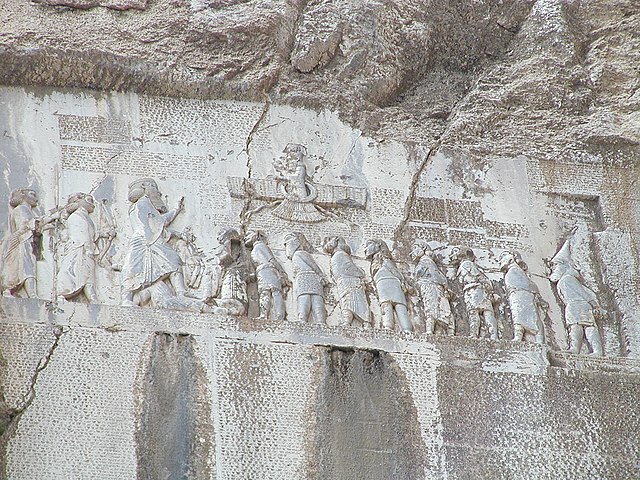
(18, 259)
(475, 287)
(522, 292)
(431, 284)
(388, 282)
(579, 301)
(78, 264)
(307, 276)
(267, 272)
(149, 258)
(350, 286)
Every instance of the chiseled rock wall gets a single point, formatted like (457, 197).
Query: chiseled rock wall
(162, 394)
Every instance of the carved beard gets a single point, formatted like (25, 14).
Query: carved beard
(156, 201)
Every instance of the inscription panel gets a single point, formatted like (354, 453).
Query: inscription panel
(197, 122)
(87, 412)
(266, 408)
(94, 129)
(132, 162)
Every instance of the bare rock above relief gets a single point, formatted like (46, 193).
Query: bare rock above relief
(564, 86)
(86, 4)
(506, 77)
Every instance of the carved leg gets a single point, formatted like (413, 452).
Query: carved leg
(492, 324)
(430, 325)
(177, 282)
(265, 304)
(540, 335)
(347, 318)
(30, 287)
(474, 324)
(278, 306)
(576, 334)
(403, 318)
(318, 310)
(90, 293)
(387, 315)
(518, 332)
(304, 308)
(451, 327)
(593, 337)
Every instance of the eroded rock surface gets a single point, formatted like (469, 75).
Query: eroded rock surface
(547, 77)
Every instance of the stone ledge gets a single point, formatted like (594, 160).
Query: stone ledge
(571, 361)
(500, 356)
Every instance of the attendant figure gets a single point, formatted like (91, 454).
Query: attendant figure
(233, 286)
(350, 281)
(478, 295)
(76, 275)
(524, 298)
(309, 281)
(18, 270)
(389, 283)
(581, 306)
(271, 278)
(433, 289)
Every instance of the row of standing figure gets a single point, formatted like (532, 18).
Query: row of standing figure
(431, 287)
(153, 272)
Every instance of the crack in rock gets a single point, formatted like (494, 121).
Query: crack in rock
(244, 213)
(9, 418)
(398, 236)
(42, 365)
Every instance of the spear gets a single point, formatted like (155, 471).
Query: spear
(106, 219)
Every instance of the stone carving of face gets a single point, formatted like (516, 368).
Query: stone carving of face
(460, 255)
(371, 248)
(88, 203)
(254, 236)
(291, 246)
(30, 198)
(506, 259)
(558, 270)
(153, 193)
(420, 249)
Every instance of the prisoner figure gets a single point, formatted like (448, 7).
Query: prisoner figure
(308, 280)
(271, 278)
(18, 270)
(78, 263)
(202, 277)
(433, 289)
(580, 304)
(389, 286)
(233, 286)
(350, 282)
(152, 269)
(478, 294)
(524, 298)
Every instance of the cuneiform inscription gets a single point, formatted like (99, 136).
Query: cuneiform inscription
(386, 202)
(132, 162)
(460, 221)
(94, 129)
(179, 121)
(561, 177)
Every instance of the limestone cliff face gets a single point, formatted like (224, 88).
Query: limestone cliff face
(546, 78)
